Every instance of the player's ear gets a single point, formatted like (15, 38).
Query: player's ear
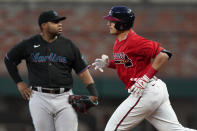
(43, 25)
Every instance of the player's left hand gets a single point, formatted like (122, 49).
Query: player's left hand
(101, 63)
(82, 103)
(94, 99)
(138, 88)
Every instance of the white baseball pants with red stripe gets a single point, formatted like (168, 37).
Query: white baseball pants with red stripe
(154, 106)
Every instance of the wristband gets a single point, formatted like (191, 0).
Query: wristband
(92, 89)
(151, 72)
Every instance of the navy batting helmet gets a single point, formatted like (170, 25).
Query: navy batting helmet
(123, 16)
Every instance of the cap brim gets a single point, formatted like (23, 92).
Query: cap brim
(110, 18)
(59, 19)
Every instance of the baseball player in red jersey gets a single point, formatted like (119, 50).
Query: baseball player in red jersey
(148, 97)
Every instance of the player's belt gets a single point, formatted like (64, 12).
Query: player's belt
(50, 90)
(152, 79)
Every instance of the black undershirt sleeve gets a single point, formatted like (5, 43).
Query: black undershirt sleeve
(13, 58)
(12, 70)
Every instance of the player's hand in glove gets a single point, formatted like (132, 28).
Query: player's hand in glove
(82, 103)
(138, 88)
(101, 63)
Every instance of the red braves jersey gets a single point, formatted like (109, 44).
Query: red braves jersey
(132, 57)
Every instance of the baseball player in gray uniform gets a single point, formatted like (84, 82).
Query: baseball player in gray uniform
(50, 59)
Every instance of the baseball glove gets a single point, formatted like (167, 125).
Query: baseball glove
(81, 103)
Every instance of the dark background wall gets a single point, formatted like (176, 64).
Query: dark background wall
(174, 25)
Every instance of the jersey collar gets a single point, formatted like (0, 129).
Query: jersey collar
(131, 33)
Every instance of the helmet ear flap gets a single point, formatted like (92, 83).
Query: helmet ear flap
(122, 26)
(119, 26)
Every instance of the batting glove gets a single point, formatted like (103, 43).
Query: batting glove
(101, 63)
(138, 88)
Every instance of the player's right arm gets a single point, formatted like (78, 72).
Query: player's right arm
(11, 60)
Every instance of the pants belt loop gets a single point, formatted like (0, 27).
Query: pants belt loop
(62, 90)
(39, 88)
(155, 78)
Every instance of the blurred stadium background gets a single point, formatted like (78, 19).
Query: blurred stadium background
(173, 23)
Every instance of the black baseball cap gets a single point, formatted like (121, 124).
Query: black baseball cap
(49, 16)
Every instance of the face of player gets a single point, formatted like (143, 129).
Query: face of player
(112, 28)
(54, 28)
